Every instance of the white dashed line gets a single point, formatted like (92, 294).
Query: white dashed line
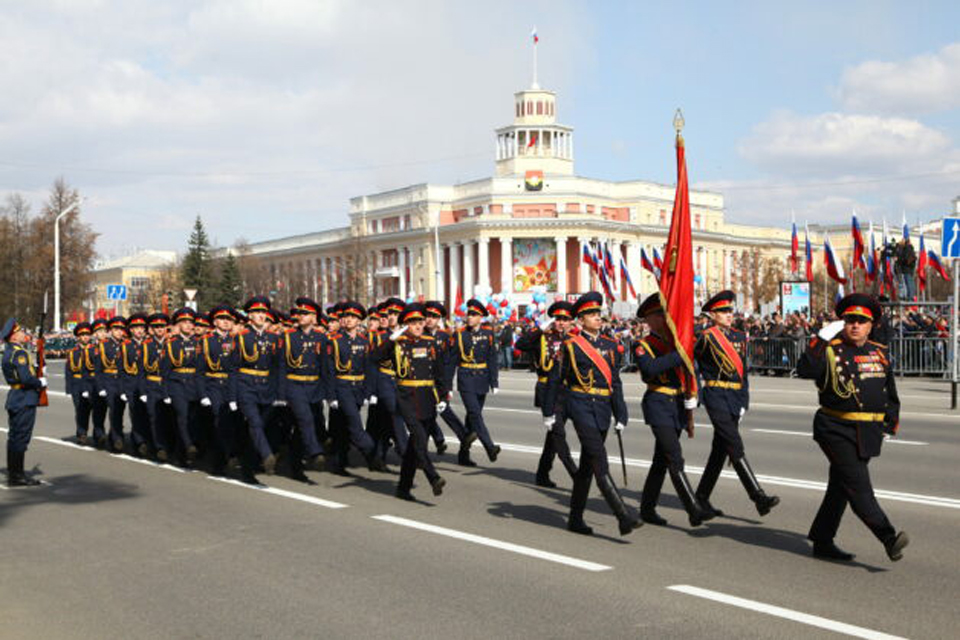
(283, 493)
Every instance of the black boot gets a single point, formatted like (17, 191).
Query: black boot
(543, 480)
(15, 474)
(894, 545)
(437, 485)
(576, 524)
(685, 492)
(625, 516)
(830, 551)
(649, 514)
(709, 480)
(493, 452)
(463, 458)
(762, 501)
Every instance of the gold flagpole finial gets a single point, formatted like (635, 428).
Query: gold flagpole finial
(678, 121)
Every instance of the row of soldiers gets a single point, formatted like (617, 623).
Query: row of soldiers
(401, 366)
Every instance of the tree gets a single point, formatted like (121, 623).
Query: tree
(256, 279)
(230, 284)
(13, 228)
(196, 271)
(772, 273)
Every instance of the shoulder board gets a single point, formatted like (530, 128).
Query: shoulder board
(609, 339)
(127, 341)
(244, 332)
(877, 344)
(426, 337)
(836, 341)
(334, 336)
(290, 330)
(461, 329)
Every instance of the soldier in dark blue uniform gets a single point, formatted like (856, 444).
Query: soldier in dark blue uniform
(348, 363)
(20, 374)
(477, 371)
(99, 409)
(132, 382)
(667, 413)
(218, 380)
(154, 395)
(182, 383)
(721, 353)
(382, 385)
(587, 378)
(257, 377)
(421, 384)
(79, 371)
(544, 345)
(107, 379)
(435, 312)
(858, 405)
(303, 385)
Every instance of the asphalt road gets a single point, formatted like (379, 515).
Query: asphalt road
(112, 547)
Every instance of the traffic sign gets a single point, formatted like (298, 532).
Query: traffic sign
(950, 238)
(116, 292)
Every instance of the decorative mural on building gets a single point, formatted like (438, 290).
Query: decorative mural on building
(534, 264)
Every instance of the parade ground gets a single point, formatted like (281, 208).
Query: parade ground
(117, 547)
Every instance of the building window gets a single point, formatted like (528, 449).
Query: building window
(139, 283)
(539, 108)
(697, 221)
(663, 217)
(406, 222)
(518, 109)
(530, 107)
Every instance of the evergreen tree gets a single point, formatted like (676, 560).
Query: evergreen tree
(230, 286)
(197, 272)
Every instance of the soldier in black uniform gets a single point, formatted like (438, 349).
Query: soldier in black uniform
(217, 374)
(544, 344)
(420, 386)
(99, 408)
(721, 353)
(107, 378)
(382, 386)
(256, 385)
(858, 405)
(79, 372)
(154, 394)
(132, 383)
(667, 413)
(179, 371)
(22, 398)
(588, 376)
(477, 371)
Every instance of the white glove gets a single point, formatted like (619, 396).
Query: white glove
(373, 399)
(441, 406)
(495, 390)
(279, 403)
(232, 405)
(830, 331)
(366, 401)
(143, 398)
(167, 401)
(689, 404)
(85, 394)
(619, 426)
(449, 396)
(334, 404)
(549, 421)
(103, 393)
(545, 324)
(205, 402)
(743, 411)
(43, 382)
(398, 332)
(123, 397)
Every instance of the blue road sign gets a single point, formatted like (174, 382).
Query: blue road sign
(116, 292)
(950, 238)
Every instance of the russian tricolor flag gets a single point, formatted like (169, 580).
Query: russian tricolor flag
(588, 257)
(626, 278)
(858, 245)
(871, 272)
(794, 246)
(906, 227)
(808, 252)
(937, 264)
(922, 259)
(533, 34)
(657, 260)
(834, 268)
(648, 265)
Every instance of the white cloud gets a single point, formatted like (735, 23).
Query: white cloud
(923, 84)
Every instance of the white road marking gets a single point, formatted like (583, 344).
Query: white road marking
(789, 614)
(787, 432)
(302, 497)
(496, 544)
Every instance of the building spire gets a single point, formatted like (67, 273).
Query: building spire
(536, 39)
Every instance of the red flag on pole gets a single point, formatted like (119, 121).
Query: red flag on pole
(458, 302)
(676, 280)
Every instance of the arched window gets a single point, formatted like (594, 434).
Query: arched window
(539, 108)
(518, 109)
(529, 107)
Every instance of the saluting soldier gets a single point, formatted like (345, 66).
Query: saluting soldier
(79, 372)
(587, 379)
(477, 372)
(436, 312)
(217, 376)
(25, 384)
(348, 363)
(721, 353)
(154, 395)
(382, 385)
(858, 405)
(132, 382)
(667, 413)
(100, 408)
(182, 384)
(257, 376)
(421, 386)
(545, 344)
(303, 385)
(107, 378)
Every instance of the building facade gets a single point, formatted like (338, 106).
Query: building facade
(141, 273)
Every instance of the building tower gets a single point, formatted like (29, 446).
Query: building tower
(534, 142)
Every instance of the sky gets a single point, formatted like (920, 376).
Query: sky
(265, 117)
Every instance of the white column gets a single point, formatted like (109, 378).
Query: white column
(440, 271)
(562, 265)
(456, 280)
(469, 250)
(323, 281)
(483, 262)
(371, 274)
(584, 278)
(402, 266)
(506, 266)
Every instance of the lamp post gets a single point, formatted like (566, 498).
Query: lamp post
(56, 264)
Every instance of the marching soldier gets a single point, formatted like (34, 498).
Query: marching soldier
(154, 394)
(435, 312)
(132, 383)
(22, 399)
(383, 385)
(108, 378)
(477, 372)
(348, 362)
(182, 384)
(589, 374)
(667, 413)
(99, 404)
(420, 386)
(79, 373)
(721, 353)
(256, 377)
(858, 405)
(217, 377)
(545, 344)
(201, 326)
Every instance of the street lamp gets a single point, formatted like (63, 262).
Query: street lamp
(56, 263)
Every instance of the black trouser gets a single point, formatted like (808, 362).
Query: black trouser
(139, 421)
(593, 463)
(99, 414)
(555, 445)
(849, 483)
(81, 413)
(116, 407)
(726, 442)
(415, 455)
(667, 456)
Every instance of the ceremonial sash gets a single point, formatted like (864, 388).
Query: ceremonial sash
(595, 357)
(662, 348)
(728, 349)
